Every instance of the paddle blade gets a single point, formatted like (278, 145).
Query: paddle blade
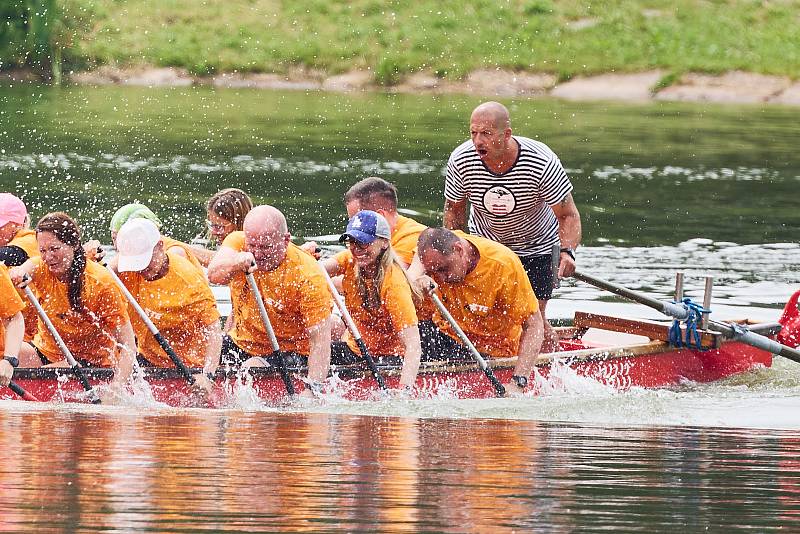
(790, 321)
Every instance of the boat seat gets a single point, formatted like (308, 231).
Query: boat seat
(652, 329)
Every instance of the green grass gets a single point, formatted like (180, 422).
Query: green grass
(446, 37)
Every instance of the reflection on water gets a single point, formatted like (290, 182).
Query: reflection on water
(192, 471)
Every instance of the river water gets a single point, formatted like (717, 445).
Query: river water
(707, 190)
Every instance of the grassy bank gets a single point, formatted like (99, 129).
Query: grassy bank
(448, 38)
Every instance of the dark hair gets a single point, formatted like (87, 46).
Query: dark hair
(66, 230)
(441, 240)
(373, 193)
(231, 204)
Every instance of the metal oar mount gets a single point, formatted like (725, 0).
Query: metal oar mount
(353, 330)
(76, 368)
(680, 311)
(498, 387)
(187, 374)
(262, 310)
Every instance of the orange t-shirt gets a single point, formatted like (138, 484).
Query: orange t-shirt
(379, 327)
(295, 295)
(404, 238)
(169, 243)
(26, 240)
(492, 302)
(181, 306)
(88, 333)
(10, 302)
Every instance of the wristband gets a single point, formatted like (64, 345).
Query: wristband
(520, 381)
(569, 252)
(13, 360)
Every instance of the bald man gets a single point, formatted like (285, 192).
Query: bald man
(294, 291)
(518, 195)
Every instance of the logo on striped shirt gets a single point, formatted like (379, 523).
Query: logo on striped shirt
(499, 200)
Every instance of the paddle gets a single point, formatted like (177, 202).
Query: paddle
(337, 298)
(76, 368)
(187, 374)
(287, 380)
(680, 311)
(498, 387)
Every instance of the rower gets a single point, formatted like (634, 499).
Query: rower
(17, 245)
(174, 294)
(12, 326)
(378, 296)
(484, 287)
(140, 211)
(81, 300)
(292, 287)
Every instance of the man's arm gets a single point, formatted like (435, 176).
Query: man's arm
(226, 263)
(529, 344)
(569, 232)
(455, 215)
(319, 357)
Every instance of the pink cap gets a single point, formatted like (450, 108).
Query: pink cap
(12, 209)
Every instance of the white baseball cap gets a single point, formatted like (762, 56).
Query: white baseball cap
(136, 240)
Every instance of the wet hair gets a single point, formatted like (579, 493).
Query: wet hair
(66, 230)
(230, 204)
(372, 194)
(441, 240)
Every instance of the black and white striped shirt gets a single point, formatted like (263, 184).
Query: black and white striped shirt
(512, 208)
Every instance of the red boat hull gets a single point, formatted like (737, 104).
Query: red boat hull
(649, 365)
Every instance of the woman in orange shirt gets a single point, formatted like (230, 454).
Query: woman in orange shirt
(378, 295)
(82, 301)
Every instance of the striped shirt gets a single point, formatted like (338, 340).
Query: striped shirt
(511, 208)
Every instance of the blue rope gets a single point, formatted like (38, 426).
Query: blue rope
(692, 336)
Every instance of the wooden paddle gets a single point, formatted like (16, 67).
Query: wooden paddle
(187, 374)
(348, 319)
(498, 387)
(262, 310)
(681, 312)
(76, 368)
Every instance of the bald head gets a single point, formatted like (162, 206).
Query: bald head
(264, 220)
(493, 112)
(266, 236)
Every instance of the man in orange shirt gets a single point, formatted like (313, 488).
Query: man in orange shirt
(12, 326)
(292, 286)
(484, 286)
(175, 296)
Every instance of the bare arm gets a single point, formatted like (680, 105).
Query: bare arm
(126, 356)
(455, 215)
(319, 357)
(569, 232)
(213, 336)
(15, 330)
(202, 254)
(332, 266)
(413, 354)
(529, 344)
(226, 263)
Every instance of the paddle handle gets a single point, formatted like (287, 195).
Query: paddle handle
(680, 312)
(498, 387)
(348, 319)
(19, 390)
(76, 368)
(187, 374)
(262, 310)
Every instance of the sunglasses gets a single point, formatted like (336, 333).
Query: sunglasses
(356, 243)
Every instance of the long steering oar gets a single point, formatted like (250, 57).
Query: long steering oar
(337, 298)
(262, 310)
(498, 387)
(76, 368)
(680, 311)
(187, 374)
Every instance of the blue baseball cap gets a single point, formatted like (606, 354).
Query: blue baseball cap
(366, 226)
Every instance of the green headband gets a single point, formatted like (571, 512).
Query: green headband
(133, 211)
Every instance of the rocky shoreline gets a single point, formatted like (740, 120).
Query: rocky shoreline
(733, 87)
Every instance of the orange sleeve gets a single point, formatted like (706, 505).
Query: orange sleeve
(109, 304)
(10, 301)
(517, 294)
(235, 240)
(343, 258)
(315, 298)
(396, 297)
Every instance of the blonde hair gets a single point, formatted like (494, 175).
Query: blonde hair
(371, 293)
